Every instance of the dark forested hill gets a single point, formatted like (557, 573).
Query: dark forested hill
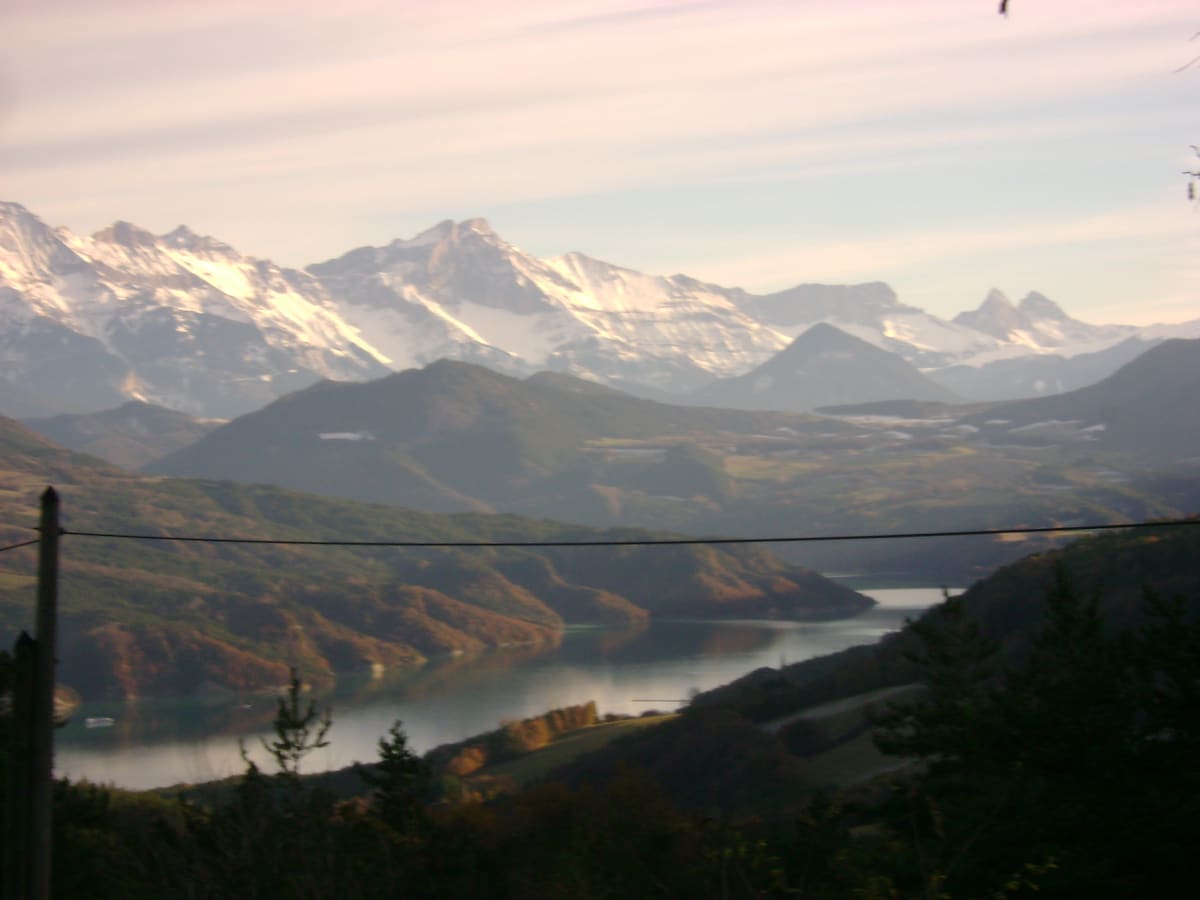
(145, 617)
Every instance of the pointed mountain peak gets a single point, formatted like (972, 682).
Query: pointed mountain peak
(996, 300)
(8, 208)
(823, 331)
(823, 366)
(478, 225)
(1039, 306)
(180, 233)
(29, 246)
(474, 231)
(183, 238)
(126, 234)
(996, 315)
(824, 338)
(434, 235)
(15, 217)
(450, 231)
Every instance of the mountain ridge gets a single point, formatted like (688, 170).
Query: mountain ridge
(186, 321)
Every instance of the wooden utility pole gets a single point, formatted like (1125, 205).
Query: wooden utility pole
(43, 698)
(42, 770)
(31, 760)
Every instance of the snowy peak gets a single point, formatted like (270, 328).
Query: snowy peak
(450, 263)
(18, 224)
(460, 290)
(126, 234)
(1039, 306)
(479, 226)
(181, 320)
(165, 314)
(996, 303)
(996, 315)
(183, 238)
(27, 245)
(1038, 324)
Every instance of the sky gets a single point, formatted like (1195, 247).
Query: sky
(931, 144)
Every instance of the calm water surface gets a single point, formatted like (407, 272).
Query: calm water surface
(159, 742)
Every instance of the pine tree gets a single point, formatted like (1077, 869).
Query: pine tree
(400, 782)
(946, 727)
(298, 730)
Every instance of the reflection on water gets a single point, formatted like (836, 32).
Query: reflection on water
(160, 742)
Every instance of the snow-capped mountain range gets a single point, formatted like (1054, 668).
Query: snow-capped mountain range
(188, 322)
(178, 319)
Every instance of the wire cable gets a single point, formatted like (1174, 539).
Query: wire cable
(19, 545)
(637, 542)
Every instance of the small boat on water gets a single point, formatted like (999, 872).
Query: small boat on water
(98, 722)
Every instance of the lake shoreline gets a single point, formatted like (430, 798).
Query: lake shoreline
(161, 741)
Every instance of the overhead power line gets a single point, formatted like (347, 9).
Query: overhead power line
(19, 545)
(633, 542)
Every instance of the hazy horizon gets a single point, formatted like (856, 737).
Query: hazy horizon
(938, 147)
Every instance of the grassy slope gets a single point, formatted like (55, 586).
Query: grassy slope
(531, 767)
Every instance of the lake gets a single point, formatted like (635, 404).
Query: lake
(152, 743)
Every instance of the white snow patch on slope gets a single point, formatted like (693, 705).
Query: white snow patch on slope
(228, 278)
(531, 337)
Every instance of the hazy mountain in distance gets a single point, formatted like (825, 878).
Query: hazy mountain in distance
(824, 366)
(873, 313)
(1036, 321)
(1147, 408)
(129, 436)
(17, 401)
(1039, 375)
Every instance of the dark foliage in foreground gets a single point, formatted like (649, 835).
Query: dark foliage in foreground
(1075, 773)
(1070, 774)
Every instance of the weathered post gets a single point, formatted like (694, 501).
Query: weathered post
(41, 776)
